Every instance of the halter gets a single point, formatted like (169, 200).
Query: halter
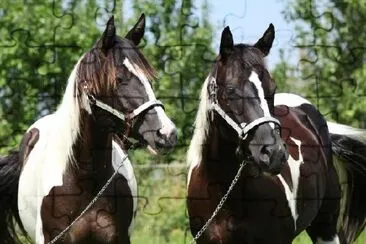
(243, 128)
(125, 118)
(136, 112)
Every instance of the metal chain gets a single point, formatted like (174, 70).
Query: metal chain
(221, 203)
(101, 191)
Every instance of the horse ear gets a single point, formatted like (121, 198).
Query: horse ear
(137, 32)
(109, 35)
(265, 42)
(227, 43)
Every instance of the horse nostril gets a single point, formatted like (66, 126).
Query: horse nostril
(265, 150)
(174, 136)
(265, 154)
(169, 137)
(161, 134)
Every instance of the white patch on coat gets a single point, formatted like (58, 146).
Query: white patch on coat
(340, 129)
(167, 126)
(289, 99)
(334, 241)
(294, 166)
(194, 154)
(258, 85)
(127, 171)
(48, 160)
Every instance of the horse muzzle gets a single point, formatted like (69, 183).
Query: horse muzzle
(272, 158)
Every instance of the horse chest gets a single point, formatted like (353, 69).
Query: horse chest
(103, 223)
(48, 200)
(109, 217)
(229, 229)
(246, 217)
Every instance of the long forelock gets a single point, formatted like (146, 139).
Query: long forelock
(125, 49)
(201, 126)
(98, 71)
(249, 55)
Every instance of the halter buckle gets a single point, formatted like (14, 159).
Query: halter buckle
(212, 90)
(92, 99)
(243, 136)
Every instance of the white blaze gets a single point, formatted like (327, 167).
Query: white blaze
(167, 126)
(258, 85)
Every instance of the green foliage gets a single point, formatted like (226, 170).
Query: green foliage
(331, 72)
(40, 44)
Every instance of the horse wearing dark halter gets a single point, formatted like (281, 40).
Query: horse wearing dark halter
(289, 182)
(65, 158)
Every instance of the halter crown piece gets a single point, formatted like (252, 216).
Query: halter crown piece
(243, 128)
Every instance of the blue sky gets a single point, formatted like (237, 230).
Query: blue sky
(248, 19)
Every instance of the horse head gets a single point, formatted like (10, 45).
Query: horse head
(241, 91)
(115, 83)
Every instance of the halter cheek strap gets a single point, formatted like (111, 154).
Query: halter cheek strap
(241, 129)
(144, 107)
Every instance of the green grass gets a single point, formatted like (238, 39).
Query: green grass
(178, 237)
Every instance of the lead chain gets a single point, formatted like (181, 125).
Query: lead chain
(221, 203)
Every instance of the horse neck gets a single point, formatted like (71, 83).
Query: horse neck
(93, 149)
(219, 154)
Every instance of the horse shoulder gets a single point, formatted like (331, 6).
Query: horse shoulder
(37, 177)
(122, 163)
(29, 140)
(298, 105)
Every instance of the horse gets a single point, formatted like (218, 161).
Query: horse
(56, 181)
(263, 167)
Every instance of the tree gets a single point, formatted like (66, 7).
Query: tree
(331, 72)
(39, 44)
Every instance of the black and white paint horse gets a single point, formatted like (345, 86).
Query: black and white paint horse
(289, 182)
(65, 158)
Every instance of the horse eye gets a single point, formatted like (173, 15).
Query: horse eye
(230, 90)
(122, 81)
